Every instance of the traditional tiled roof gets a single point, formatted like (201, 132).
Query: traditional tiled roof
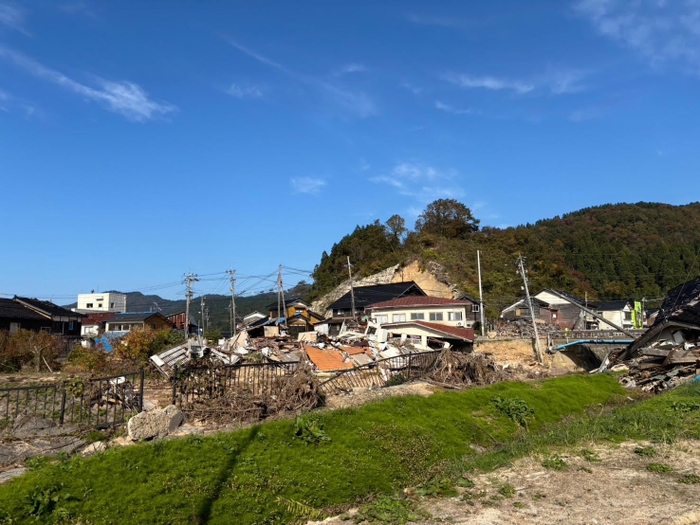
(133, 317)
(610, 306)
(419, 300)
(449, 332)
(47, 307)
(367, 295)
(10, 309)
(327, 360)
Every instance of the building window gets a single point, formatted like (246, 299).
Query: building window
(99, 305)
(417, 317)
(70, 325)
(436, 316)
(628, 316)
(475, 308)
(416, 340)
(455, 316)
(88, 305)
(381, 319)
(398, 318)
(111, 305)
(14, 327)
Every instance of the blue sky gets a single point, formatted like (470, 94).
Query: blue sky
(139, 141)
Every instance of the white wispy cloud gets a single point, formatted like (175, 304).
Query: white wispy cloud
(351, 68)
(12, 104)
(357, 103)
(244, 90)
(257, 56)
(416, 90)
(422, 182)
(80, 7)
(660, 31)
(13, 17)
(564, 81)
(308, 185)
(555, 81)
(123, 97)
(489, 82)
(451, 109)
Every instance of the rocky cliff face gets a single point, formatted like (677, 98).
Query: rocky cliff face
(432, 280)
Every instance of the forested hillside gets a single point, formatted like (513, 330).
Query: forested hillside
(611, 251)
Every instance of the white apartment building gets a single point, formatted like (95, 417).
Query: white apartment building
(101, 302)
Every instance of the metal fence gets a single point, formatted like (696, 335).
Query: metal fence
(97, 402)
(385, 372)
(205, 381)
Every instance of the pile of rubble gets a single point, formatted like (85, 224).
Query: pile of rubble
(521, 329)
(668, 353)
(662, 365)
(325, 354)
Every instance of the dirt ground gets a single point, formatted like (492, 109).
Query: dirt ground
(616, 489)
(362, 396)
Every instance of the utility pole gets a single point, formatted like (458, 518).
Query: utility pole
(352, 289)
(481, 295)
(521, 267)
(280, 298)
(204, 327)
(189, 279)
(232, 277)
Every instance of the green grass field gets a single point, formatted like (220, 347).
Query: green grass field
(276, 472)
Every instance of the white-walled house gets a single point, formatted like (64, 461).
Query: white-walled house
(425, 322)
(450, 312)
(618, 312)
(102, 302)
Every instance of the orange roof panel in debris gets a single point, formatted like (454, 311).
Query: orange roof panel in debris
(355, 350)
(327, 360)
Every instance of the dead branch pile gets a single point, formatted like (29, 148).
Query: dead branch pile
(454, 368)
(300, 391)
(216, 400)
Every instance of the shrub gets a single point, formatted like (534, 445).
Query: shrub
(87, 359)
(141, 343)
(555, 463)
(25, 349)
(659, 468)
(309, 430)
(515, 409)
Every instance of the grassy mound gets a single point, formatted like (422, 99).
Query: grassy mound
(269, 474)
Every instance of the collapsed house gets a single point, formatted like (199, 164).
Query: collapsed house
(669, 351)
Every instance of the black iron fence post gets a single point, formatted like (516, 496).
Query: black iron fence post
(408, 376)
(62, 414)
(142, 379)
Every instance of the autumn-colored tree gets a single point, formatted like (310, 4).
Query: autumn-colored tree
(26, 348)
(447, 218)
(141, 343)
